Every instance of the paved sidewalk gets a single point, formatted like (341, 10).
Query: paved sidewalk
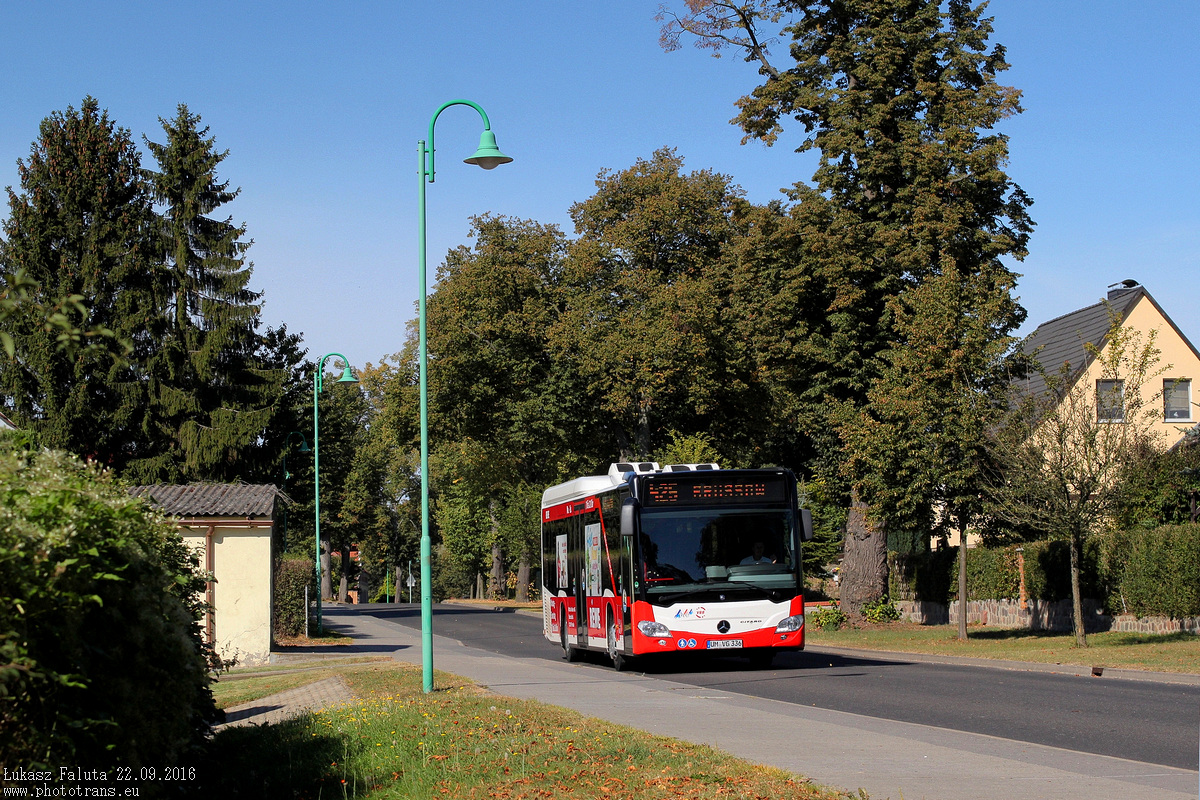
(292, 703)
(888, 759)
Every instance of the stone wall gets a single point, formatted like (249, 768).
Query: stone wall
(1038, 615)
(1131, 624)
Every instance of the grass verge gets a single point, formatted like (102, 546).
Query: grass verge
(1177, 652)
(463, 742)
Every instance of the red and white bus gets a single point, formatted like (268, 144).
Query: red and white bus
(689, 557)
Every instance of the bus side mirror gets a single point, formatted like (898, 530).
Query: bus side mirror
(629, 510)
(806, 528)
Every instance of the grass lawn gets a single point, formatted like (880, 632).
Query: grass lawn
(463, 742)
(1178, 652)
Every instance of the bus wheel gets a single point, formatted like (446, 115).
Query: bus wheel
(617, 657)
(569, 652)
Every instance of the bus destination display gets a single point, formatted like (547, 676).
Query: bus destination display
(710, 491)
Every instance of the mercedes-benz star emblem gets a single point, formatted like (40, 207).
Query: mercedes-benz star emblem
(723, 626)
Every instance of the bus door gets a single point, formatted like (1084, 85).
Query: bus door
(594, 575)
(579, 579)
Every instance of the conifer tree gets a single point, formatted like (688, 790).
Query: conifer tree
(211, 398)
(78, 229)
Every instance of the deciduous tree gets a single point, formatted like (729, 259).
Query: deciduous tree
(918, 447)
(1061, 453)
(899, 100)
(641, 321)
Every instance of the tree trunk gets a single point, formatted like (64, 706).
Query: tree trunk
(523, 578)
(343, 584)
(497, 590)
(326, 571)
(864, 571)
(624, 446)
(643, 431)
(478, 585)
(1076, 598)
(962, 581)
(364, 586)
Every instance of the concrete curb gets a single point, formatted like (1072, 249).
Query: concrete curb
(1106, 673)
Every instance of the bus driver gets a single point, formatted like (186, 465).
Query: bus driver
(757, 555)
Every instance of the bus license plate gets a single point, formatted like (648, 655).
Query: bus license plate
(725, 644)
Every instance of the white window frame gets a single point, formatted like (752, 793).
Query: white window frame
(1110, 387)
(1173, 385)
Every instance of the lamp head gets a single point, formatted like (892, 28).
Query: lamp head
(488, 155)
(347, 376)
(304, 448)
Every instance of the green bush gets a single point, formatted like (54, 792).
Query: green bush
(293, 574)
(882, 610)
(100, 606)
(828, 618)
(1155, 572)
(1048, 570)
(932, 576)
(992, 574)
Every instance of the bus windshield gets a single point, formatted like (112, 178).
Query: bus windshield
(717, 548)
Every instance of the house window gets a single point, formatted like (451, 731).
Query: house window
(1177, 399)
(1110, 401)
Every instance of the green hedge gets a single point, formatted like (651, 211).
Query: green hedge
(102, 663)
(1156, 572)
(292, 575)
(1153, 572)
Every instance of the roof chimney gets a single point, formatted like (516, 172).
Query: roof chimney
(1116, 289)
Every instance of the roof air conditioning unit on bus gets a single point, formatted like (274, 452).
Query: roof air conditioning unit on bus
(622, 468)
(689, 467)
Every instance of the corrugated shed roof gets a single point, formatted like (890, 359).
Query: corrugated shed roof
(1061, 341)
(213, 499)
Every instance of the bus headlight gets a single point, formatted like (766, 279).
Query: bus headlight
(790, 624)
(655, 630)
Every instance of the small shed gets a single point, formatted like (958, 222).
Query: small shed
(231, 527)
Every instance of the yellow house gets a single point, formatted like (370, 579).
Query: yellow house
(230, 527)
(1062, 342)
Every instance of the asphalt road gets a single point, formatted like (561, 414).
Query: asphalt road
(1155, 723)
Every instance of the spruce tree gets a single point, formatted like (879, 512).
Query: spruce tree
(79, 229)
(211, 398)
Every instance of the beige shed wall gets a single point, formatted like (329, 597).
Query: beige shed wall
(242, 593)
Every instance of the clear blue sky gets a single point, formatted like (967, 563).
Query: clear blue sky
(321, 106)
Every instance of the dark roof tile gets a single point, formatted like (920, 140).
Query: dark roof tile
(1061, 342)
(213, 499)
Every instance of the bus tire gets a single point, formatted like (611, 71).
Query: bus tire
(569, 653)
(616, 656)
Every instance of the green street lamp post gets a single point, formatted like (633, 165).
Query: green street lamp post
(487, 156)
(318, 381)
(287, 445)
